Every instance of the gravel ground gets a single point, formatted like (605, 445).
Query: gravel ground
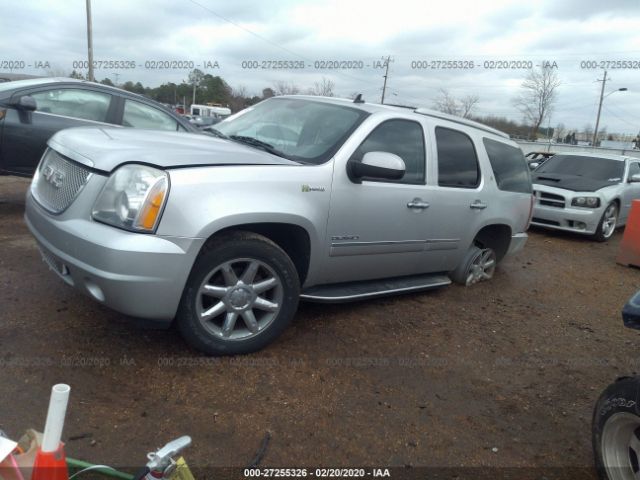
(501, 376)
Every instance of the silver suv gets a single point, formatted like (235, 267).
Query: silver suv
(308, 198)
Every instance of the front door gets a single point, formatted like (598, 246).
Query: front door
(377, 228)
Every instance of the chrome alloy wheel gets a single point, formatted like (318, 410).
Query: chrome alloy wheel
(621, 446)
(609, 220)
(239, 299)
(482, 267)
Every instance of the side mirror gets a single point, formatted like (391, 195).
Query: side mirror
(534, 165)
(24, 103)
(635, 178)
(377, 165)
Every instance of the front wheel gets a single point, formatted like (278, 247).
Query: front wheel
(615, 431)
(242, 293)
(607, 224)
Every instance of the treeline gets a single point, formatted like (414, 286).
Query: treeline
(214, 89)
(514, 129)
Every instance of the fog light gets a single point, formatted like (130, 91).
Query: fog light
(94, 290)
(581, 225)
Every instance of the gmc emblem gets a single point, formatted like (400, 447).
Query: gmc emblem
(53, 176)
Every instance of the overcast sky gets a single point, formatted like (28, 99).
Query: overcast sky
(230, 32)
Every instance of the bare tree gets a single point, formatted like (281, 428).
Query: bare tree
(538, 96)
(285, 88)
(588, 132)
(468, 104)
(463, 107)
(559, 131)
(195, 78)
(323, 88)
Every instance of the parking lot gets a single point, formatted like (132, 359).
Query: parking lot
(502, 374)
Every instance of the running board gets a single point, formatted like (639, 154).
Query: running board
(353, 291)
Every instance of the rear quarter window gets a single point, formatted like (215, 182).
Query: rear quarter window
(509, 166)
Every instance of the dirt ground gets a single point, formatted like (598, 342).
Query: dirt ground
(501, 376)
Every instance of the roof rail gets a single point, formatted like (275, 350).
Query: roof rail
(460, 120)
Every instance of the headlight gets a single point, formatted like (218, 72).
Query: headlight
(589, 202)
(133, 198)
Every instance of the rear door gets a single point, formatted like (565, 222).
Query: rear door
(24, 140)
(459, 199)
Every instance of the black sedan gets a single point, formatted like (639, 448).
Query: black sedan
(31, 111)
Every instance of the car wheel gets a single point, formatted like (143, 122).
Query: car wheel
(615, 431)
(478, 264)
(242, 293)
(607, 224)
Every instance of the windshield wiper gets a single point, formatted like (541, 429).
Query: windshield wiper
(254, 142)
(215, 132)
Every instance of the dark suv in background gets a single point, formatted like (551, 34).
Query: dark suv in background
(31, 111)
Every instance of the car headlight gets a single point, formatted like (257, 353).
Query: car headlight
(589, 202)
(133, 198)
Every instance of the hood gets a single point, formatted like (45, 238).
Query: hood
(107, 148)
(575, 183)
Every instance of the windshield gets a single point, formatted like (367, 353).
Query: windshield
(304, 130)
(597, 168)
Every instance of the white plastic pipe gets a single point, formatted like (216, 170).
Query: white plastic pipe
(55, 417)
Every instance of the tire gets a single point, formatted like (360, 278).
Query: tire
(478, 264)
(615, 431)
(605, 231)
(242, 293)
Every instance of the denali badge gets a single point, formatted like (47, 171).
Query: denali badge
(53, 176)
(307, 188)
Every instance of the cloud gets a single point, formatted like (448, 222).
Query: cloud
(408, 30)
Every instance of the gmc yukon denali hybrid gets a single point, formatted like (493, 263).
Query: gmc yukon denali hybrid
(311, 198)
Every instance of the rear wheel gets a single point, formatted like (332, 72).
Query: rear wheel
(242, 293)
(607, 224)
(616, 431)
(478, 264)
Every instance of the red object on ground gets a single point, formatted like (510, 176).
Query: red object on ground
(50, 465)
(630, 247)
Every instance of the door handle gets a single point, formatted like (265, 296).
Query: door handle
(478, 205)
(418, 203)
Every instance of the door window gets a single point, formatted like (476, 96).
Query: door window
(139, 115)
(400, 137)
(457, 159)
(72, 102)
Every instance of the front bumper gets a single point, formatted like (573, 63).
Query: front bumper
(136, 274)
(577, 220)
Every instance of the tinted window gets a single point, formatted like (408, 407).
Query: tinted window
(509, 166)
(139, 115)
(457, 159)
(403, 138)
(70, 102)
(596, 168)
(634, 169)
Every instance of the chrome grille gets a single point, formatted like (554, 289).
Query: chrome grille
(550, 199)
(58, 181)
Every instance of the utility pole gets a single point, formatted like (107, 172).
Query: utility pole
(90, 76)
(117, 75)
(595, 132)
(386, 74)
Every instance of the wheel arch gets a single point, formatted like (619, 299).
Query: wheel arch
(292, 238)
(495, 236)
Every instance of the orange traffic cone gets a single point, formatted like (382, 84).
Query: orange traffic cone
(51, 462)
(630, 246)
(50, 465)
